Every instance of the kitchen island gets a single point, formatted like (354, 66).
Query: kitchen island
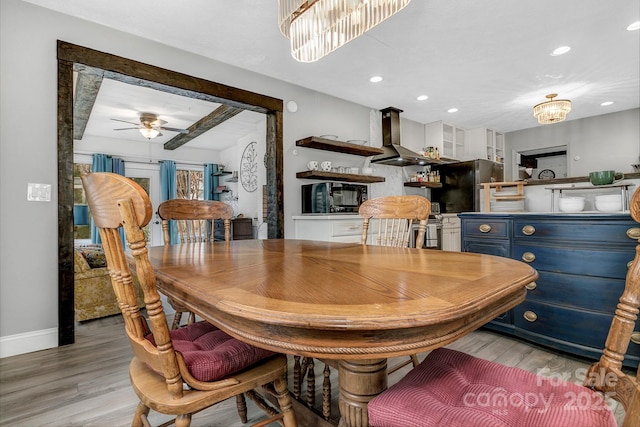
(582, 260)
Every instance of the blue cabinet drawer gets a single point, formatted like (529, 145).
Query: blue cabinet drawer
(489, 247)
(601, 262)
(586, 292)
(486, 228)
(601, 232)
(569, 329)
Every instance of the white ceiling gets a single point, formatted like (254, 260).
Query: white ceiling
(122, 101)
(488, 58)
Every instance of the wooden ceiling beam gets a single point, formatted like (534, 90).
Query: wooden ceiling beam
(87, 87)
(218, 116)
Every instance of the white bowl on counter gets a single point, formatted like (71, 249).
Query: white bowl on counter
(609, 203)
(571, 204)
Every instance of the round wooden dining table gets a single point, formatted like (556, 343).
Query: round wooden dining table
(357, 304)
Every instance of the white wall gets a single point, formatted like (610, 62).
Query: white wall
(606, 142)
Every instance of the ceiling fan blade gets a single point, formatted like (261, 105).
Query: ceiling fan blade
(158, 122)
(174, 129)
(124, 121)
(126, 128)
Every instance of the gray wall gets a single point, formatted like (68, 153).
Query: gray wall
(606, 142)
(28, 153)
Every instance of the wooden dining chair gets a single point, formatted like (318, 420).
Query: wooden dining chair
(453, 388)
(395, 216)
(183, 371)
(195, 222)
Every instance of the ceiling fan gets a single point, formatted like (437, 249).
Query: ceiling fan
(150, 126)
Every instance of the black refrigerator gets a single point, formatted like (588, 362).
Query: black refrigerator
(461, 190)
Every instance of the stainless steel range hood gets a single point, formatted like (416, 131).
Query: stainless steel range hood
(394, 153)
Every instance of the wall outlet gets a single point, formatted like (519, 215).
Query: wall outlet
(38, 192)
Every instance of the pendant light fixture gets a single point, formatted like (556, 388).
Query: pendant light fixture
(552, 111)
(318, 27)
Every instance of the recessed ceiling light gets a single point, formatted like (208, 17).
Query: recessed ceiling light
(375, 79)
(635, 26)
(422, 98)
(560, 51)
(452, 110)
(604, 104)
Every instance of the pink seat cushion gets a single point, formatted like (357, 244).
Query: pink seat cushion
(450, 388)
(211, 354)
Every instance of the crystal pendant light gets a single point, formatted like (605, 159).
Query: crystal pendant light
(318, 27)
(552, 111)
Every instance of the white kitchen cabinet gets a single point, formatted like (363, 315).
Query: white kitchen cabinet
(450, 232)
(483, 143)
(328, 228)
(448, 139)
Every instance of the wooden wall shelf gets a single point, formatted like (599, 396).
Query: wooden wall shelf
(423, 184)
(333, 176)
(338, 146)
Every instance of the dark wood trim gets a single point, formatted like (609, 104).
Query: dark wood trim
(141, 74)
(66, 313)
(219, 115)
(72, 57)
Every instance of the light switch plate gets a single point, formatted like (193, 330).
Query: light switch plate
(38, 192)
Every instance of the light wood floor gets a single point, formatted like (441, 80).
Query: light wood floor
(87, 384)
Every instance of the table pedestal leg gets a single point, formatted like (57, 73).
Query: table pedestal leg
(360, 381)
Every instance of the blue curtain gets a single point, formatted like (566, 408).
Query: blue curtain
(211, 181)
(210, 184)
(99, 163)
(117, 165)
(169, 190)
(105, 163)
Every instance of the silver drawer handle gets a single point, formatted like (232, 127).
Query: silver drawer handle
(531, 286)
(484, 228)
(528, 257)
(528, 230)
(530, 316)
(635, 337)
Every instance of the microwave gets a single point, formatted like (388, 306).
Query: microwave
(332, 197)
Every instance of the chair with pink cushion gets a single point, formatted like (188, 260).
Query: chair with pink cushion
(182, 371)
(450, 388)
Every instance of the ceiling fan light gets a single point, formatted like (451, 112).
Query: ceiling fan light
(551, 111)
(317, 28)
(149, 133)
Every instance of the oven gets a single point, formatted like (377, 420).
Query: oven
(433, 235)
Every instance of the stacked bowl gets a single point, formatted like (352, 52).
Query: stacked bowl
(571, 204)
(609, 203)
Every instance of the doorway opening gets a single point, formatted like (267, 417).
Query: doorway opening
(72, 56)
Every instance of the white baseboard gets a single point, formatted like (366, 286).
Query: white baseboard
(13, 345)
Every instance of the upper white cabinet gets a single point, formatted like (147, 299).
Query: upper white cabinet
(487, 144)
(450, 140)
